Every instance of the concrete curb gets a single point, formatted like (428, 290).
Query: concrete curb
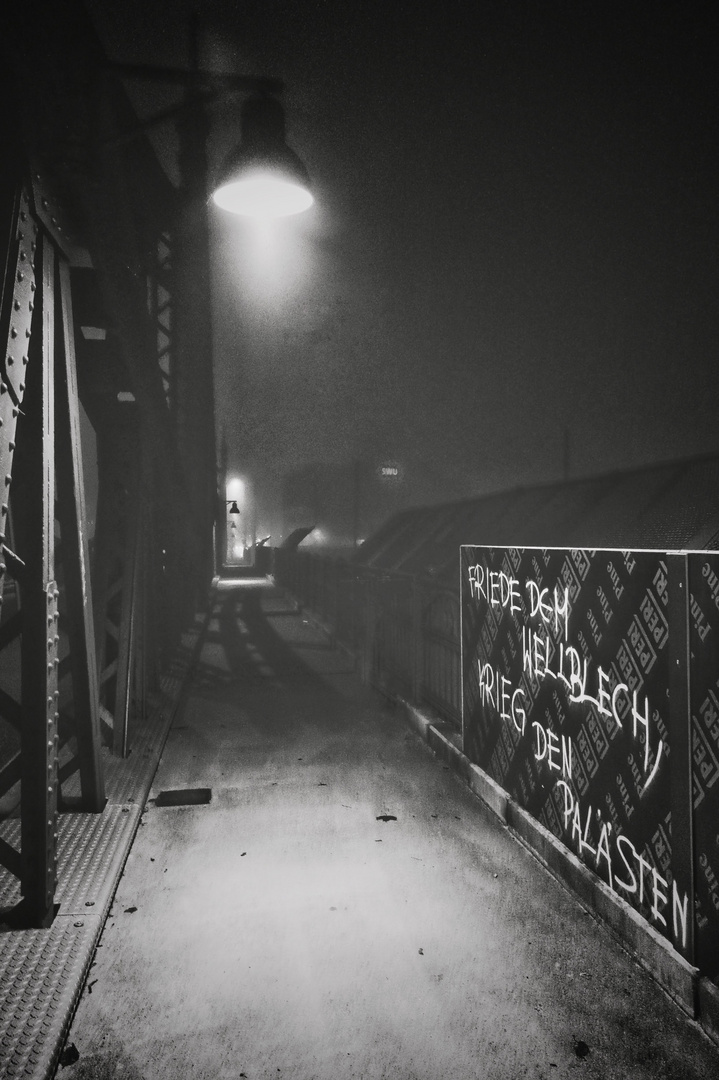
(696, 995)
(709, 1008)
(653, 952)
(482, 785)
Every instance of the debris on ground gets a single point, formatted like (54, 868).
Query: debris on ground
(580, 1048)
(69, 1055)
(386, 817)
(130, 910)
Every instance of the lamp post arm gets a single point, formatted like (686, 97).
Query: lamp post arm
(212, 79)
(170, 113)
(209, 85)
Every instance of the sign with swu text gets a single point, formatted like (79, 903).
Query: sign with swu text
(566, 705)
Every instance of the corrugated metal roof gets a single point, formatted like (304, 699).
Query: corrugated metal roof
(668, 506)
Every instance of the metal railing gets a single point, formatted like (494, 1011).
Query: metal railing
(402, 629)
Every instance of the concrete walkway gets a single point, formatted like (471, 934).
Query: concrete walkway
(343, 907)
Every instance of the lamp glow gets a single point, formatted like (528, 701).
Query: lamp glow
(263, 195)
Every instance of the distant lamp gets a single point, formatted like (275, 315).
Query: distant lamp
(263, 177)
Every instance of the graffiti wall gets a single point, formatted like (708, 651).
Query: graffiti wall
(569, 668)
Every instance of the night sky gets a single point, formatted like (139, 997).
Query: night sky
(514, 237)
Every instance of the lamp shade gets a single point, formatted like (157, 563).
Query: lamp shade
(263, 177)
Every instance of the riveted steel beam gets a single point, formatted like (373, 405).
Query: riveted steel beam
(15, 330)
(76, 562)
(40, 636)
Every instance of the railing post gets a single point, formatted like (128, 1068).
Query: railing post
(369, 627)
(681, 750)
(417, 642)
(334, 587)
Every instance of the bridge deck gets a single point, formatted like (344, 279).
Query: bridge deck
(343, 906)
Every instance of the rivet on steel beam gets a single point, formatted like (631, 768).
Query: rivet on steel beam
(45, 203)
(31, 306)
(21, 388)
(11, 445)
(56, 638)
(49, 667)
(23, 215)
(11, 359)
(13, 332)
(49, 701)
(16, 305)
(8, 481)
(20, 275)
(23, 256)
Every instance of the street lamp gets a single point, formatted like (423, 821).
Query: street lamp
(262, 176)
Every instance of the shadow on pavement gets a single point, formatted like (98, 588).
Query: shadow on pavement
(255, 654)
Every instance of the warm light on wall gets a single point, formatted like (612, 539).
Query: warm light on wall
(235, 491)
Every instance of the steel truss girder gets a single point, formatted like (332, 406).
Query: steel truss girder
(39, 415)
(122, 615)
